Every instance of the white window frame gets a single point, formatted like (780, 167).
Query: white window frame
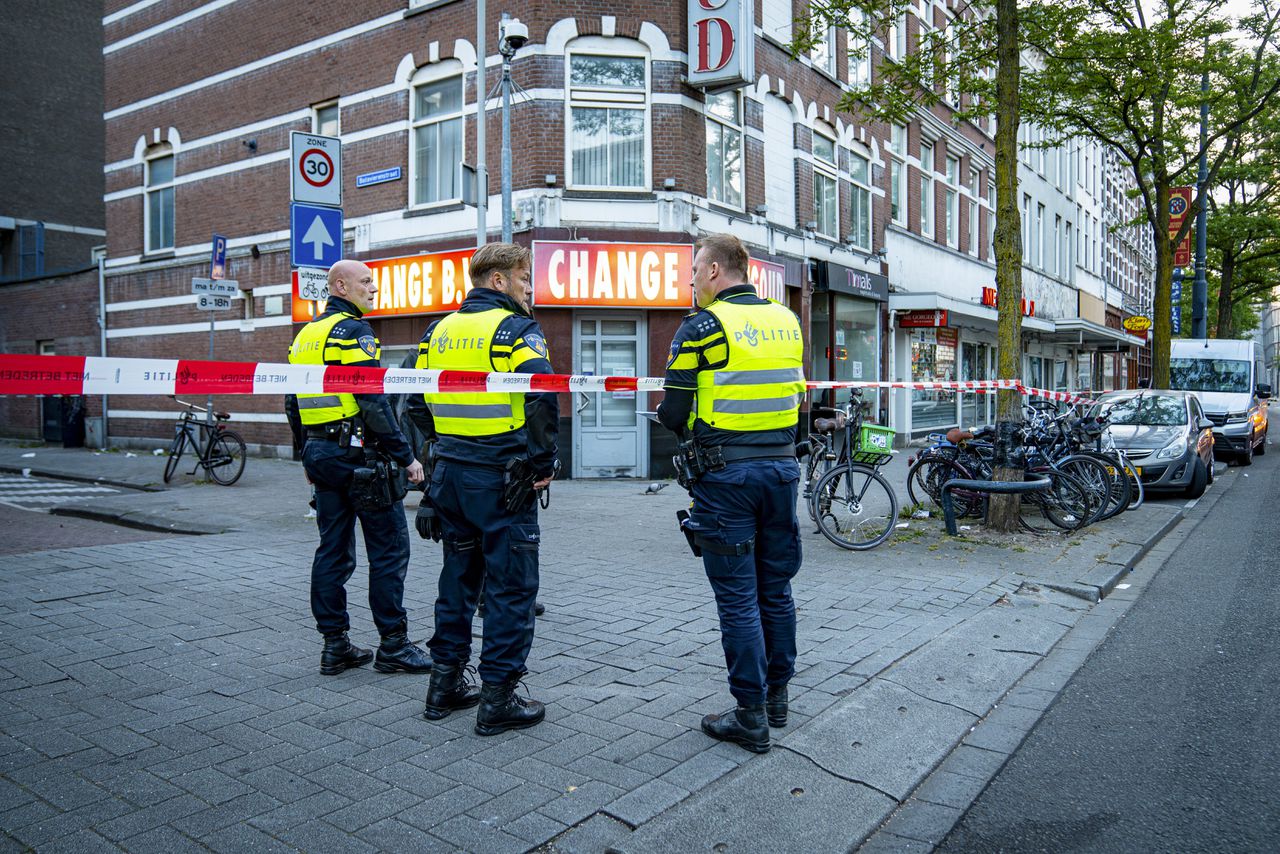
(726, 127)
(896, 40)
(991, 215)
(597, 97)
(1057, 245)
(860, 189)
(826, 171)
(951, 86)
(316, 122)
(951, 212)
(897, 147)
(776, 20)
(928, 227)
(151, 190)
(1026, 229)
(859, 68)
(1040, 227)
(823, 55)
(445, 71)
(927, 69)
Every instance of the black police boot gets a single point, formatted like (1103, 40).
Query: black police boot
(775, 704)
(502, 709)
(397, 655)
(340, 653)
(745, 726)
(449, 691)
(538, 609)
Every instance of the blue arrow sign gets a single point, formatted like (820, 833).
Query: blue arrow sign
(316, 235)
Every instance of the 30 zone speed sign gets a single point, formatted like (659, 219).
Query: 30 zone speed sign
(315, 173)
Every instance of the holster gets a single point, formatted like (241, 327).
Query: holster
(378, 485)
(682, 516)
(698, 543)
(693, 460)
(517, 484)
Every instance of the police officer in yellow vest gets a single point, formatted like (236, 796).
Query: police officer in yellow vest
(343, 433)
(735, 379)
(477, 436)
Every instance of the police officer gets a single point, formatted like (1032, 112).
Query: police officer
(339, 431)
(486, 545)
(735, 379)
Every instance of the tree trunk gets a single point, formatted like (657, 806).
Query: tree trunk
(1161, 324)
(1226, 281)
(1003, 513)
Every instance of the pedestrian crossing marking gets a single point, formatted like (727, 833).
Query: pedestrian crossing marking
(37, 494)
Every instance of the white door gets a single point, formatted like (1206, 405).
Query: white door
(610, 438)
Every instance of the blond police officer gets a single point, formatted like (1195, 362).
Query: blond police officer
(489, 544)
(344, 433)
(735, 379)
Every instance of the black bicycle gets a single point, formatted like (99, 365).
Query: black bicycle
(219, 451)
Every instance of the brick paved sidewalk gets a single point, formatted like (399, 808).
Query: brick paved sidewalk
(165, 695)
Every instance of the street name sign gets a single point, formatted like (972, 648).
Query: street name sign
(215, 287)
(315, 169)
(368, 179)
(316, 235)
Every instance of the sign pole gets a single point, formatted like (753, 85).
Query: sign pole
(1200, 284)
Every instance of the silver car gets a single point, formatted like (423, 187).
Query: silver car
(1166, 436)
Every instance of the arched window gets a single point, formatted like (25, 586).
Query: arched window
(436, 141)
(158, 211)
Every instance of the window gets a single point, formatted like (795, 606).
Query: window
(159, 209)
(926, 36)
(951, 65)
(860, 202)
(991, 214)
(859, 53)
(608, 103)
(437, 141)
(1056, 261)
(30, 250)
(826, 198)
(1026, 229)
(1039, 236)
(1068, 253)
(896, 45)
(724, 149)
(326, 119)
(1024, 138)
(824, 52)
(775, 20)
(898, 175)
(952, 198)
(926, 188)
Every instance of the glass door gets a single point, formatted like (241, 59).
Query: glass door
(610, 437)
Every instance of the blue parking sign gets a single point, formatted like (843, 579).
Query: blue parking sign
(316, 239)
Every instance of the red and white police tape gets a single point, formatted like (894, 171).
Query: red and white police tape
(24, 374)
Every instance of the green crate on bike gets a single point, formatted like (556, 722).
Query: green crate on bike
(875, 444)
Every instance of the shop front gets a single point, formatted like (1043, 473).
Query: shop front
(846, 316)
(607, 309)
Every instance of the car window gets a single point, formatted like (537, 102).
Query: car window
(1147, 410)
(1229, 375)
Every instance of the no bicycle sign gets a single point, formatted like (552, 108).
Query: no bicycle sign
(315, 169)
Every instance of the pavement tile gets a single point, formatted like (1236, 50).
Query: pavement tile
(149, 817)
(364, 811)
(598, 833)
(52, 825)
(641, 804)
(699, 770)
(534, 828)
(393, 835)
(80, 842)
(456, 799)
(927, 822)
(239, 838)
(575, 806)
(470, 834)
(513, 803)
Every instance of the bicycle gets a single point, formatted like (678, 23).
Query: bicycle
(855, 507)
(220, 451)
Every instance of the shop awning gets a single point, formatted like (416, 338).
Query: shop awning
(973, 311)
(1090, 334)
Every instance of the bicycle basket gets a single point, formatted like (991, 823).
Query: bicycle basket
(875, 445)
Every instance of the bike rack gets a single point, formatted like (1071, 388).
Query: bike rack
(1040, 483)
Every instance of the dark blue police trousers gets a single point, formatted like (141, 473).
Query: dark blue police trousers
(386, 541)
(744, 500)
(484, 544)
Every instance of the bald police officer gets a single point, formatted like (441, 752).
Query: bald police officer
(477, 437)
(343, 433)
(735, 379)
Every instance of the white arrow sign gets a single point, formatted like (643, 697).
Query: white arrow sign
(318, 236)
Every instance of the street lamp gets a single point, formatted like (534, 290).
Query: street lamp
(512, 35)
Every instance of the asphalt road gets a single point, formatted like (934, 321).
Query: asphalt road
(1165, 739)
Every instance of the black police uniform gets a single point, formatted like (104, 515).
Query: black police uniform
(484, 543)
(744, 518)
(330, 463)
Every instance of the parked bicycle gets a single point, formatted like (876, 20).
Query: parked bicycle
(219, 451)
(854, 506)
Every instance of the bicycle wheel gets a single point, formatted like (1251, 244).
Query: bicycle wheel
(1092, 473)
(1065, 505)
(814, 468)
(1137, 494)
(926, 477)
(225, 462)
(175, 454)
(856, 507)
(1121, 483)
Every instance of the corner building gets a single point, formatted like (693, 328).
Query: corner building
(878, 237)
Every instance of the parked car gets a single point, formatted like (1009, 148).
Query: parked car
(1166, 436)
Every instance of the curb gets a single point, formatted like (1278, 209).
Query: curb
(1100, 581)
(141, 522)
(79, 478)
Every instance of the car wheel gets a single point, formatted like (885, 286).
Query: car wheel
(1199, 480)
(1212, 463)
(1262, 446)
(1246, 456)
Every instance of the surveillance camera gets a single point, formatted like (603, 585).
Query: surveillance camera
(515, 35)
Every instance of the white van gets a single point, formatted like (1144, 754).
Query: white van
(1229, 378)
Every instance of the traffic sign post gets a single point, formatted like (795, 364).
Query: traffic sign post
(213, 295)
(316, 235)
(315, 169)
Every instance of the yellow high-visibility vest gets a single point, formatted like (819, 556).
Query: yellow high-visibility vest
(313, 347)
(463, 341)
(762, 384)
